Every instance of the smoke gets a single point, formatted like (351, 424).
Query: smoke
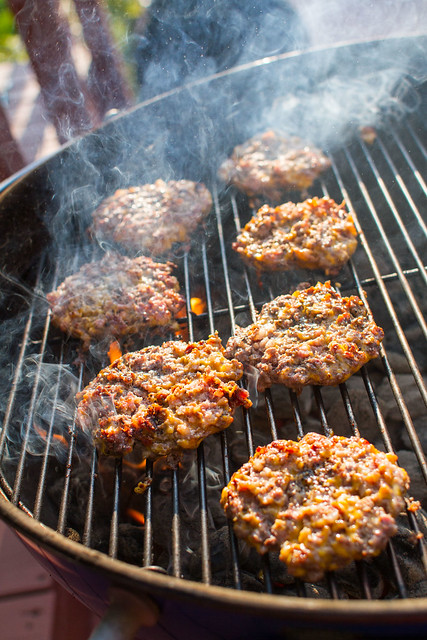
(343, 21)
(339, 105)
(187, 40)
(55, 386)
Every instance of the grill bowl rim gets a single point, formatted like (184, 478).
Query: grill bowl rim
(162, 586)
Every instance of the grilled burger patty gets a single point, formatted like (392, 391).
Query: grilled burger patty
(163, 398)
(315, 234)
(270, 164)
(312, 336)
(322, 502)
(117, 297)
(152, 217)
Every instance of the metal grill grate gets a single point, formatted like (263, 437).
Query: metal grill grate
(382, 184)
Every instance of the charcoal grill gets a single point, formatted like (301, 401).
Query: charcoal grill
(78, 513)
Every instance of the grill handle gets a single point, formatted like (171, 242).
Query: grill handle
(126, 614)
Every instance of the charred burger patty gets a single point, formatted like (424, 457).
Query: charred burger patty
(322, 502)
(117, 297)
(162, 399)
(152, 217)
(315, 234)
(270, 164)
(312, 336)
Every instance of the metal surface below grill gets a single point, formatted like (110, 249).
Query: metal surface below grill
(76, 508)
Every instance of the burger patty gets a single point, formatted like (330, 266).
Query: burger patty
(117, 297)
(322, 502)
(312, 336)
(152, 217)
(270, 164)
(315, 234)
(162, 399)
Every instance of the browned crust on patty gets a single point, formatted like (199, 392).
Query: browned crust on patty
(321, 502)
(162, 399)
(152, 217)
(312, 336)
(117, 297)
(315, 234)
(270, 164)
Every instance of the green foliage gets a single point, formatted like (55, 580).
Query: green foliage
(123, 15)
(130, 8)
(11, 47)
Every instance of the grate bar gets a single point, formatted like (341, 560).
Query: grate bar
(422, 542)
(376, 409)
(360, 566)
(349, 409)
(25, 341)
(203, 503)
(87, 531)
(29, 422)
(220, 230)
(209, 304)
(266, 572)
(416, 445)
(201, 470)
(62, 517)
(393, 209)
(46, 456)
(17, 376)
(148, 524)
(250, 303)
(400, 181)
(363, 579)
(322, 413)
(400, 401)
(297, 413)
(265, 559)
(176, 526)
(390, 548)
(403, 341)
(333, 586)
(115, 517)
(381, 424)
(416, 139)
(402, 278)
(366, 282)
(415, 172)
(270, 414)
(234, 548)
(400, 584)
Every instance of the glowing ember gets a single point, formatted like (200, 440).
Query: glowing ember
(135, 465)
(56, 436)
(136, 515)
(114, 351)
(198, 306)
(61, 439)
